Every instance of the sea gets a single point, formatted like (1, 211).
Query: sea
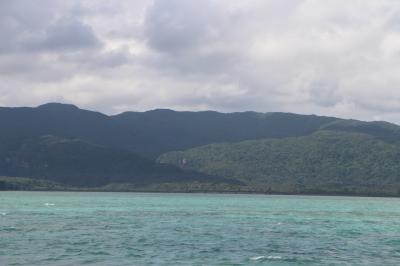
(106, 228)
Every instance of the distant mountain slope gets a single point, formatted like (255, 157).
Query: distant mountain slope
(324, 162)
(66, 121)
(169, 130)
(155, 132)
(77, 163)
(271, 152)
(379, 129)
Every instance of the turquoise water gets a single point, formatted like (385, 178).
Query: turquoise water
(78, 228)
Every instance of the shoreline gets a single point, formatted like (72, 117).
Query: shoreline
(361, 195)
(40, 185)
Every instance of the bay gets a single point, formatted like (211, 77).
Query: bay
(90, 228)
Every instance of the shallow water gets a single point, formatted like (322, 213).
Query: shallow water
(78, 228)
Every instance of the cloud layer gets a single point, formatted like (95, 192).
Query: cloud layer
(331, 57)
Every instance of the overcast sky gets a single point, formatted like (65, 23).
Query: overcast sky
(327, 57)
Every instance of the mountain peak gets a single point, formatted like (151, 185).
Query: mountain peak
(55, 105)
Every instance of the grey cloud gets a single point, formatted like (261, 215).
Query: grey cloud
(42, 26)
(323, 57)
(95, 59)
(176, 25)
(192, 43)
(324, 93)
(23, 21)
(67, 34)
(28, 15)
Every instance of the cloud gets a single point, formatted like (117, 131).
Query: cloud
(304, 56)
(66, 34)
(177, 26)
(41, 30)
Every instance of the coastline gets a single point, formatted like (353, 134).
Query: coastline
(30, 184)
(232, 192)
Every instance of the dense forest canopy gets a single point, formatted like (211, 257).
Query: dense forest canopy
(247, 151)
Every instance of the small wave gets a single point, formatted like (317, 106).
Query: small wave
(3, 213)
(10, 229)
(49, 204)
(274, 257)
(257, 258)
(266, 258)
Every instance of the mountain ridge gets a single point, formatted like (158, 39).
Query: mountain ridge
(185, 129)
(87, 148)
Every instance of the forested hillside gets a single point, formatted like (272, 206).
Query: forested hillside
(73, 162)
(247, 151)
(324, 162)
(155, 132)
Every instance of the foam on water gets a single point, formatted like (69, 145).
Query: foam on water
(266, 258)
(49, 204)
(274, 257)
(257, 258)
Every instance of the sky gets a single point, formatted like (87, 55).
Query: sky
(325, 57)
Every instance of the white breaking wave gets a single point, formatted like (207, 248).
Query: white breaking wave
(266, 258)
(257, 258)
(274, 257)
(49, 204)
(3, 213)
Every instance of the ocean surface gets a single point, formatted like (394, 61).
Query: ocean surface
(87, 228)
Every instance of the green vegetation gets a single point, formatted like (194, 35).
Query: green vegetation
(324, 162)
(59, 146)
(153, 133)
(30, 184)
(20, 183)
(76, 163)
